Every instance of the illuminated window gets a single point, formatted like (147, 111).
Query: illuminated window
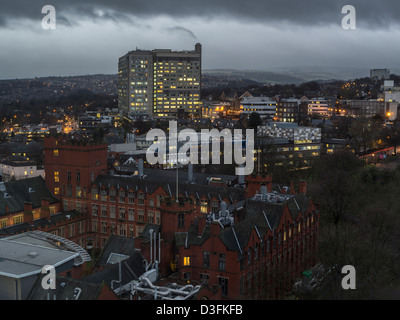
(18, 219)
(55, 152)
(186, 261)
(56, 190)
(56, 176)
(3, 223)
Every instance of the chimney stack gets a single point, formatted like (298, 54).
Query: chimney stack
(215, 226)
(302, 187)
(140, 167)
(190, 173)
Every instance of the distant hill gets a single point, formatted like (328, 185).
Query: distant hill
(292, 75)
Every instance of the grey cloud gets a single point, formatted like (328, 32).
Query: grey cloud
(370, 13)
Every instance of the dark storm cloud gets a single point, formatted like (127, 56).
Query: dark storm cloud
(370, 13)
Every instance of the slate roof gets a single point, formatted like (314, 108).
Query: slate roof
(66, 289)
(131, 269)
(40, 223)
(116, 244)
(15, 193)
(259, 215)
(169, 186)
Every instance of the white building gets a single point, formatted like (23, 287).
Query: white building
(264, 106)
(19, 170)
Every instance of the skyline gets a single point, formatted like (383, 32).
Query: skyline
(258, 35)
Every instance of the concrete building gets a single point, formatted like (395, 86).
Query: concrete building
(318, 107)
(264, 106)
(159, 83)
(19, 169)
(379, 74)
(22, 258)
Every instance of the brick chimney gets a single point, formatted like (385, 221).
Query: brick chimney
(215, 227)
(254, 183)
(44, 209)
(28, 215)
(302, 187)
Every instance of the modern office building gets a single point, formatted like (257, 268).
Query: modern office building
(264, 106)
(159, 83)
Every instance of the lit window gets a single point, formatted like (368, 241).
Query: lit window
(56, 176)
(55, 152)
(186, 261)
(56, 190)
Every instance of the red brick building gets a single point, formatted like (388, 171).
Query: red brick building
(268, 237)
(72, 164)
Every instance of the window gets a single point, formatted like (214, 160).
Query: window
(249, 256)
(186, 261)
(203, 206)
(71, 230)
(206, 259)
(112, 212)
(103, 195)
(18, 219)
(78, 176)
(150, 216)
(204, 278)
(131, 197)
(55, 152)
(104, 211)
(78, 192)
(95, 195)
(122, 196)
(140, 215)
(56, 176)
(181, 220)
(81, 227)
(223, 282)
(3, 223)
(122, 230)
(221, 264)
(113, 193)
(158, 221)
(69, 175)
(56, 190)
(122, 213)
(52, 210)
(95, 209)
(94, 226)
(131, 214)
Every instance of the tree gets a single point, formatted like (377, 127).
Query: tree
(254, 120)
(364, 131)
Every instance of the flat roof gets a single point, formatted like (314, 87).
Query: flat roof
(19, 260)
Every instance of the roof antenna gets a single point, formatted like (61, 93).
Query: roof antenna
(177, 174)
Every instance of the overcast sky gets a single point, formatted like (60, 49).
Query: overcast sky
(90, 36)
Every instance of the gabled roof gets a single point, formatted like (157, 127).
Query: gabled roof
(16, 193)
(131, 269)
(116, 244)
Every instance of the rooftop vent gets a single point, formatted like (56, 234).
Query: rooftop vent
(33, 254)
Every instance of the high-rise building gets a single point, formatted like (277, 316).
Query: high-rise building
(159, 83)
